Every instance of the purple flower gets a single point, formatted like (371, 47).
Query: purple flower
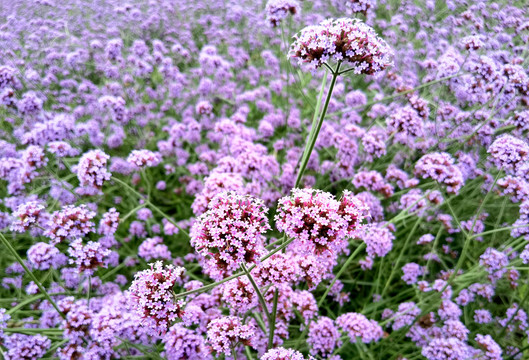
(378, 240)
(92, 169)
(348, 40)
(184, 344)
(482, 316)
(226, 332)
(279, 268)
(323, 337)
(154, 248)
(313, 219)
(495, 263)
(446, 349)
(109, 223)
(277, 10)
(239, 295)
(492, 351)
(27, 215)
(88, 257)
(357, 326)
(281, 353)
(508, 153)
(152, 297)
(440, 167)
(22, 347)
(43, 256)
(230, 233)
(411, 273)
(144, 158)
(70, 222)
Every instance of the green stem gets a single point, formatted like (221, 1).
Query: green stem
(396, 266)
(30, 274)
(273, 321)
(344, 267)
(315, 131)
(234, 276)
(258, 292)
(150, 204)
(469, 235)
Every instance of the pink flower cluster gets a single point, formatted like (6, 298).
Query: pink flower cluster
(230, 233)
(348, 40)
(152, 297)
(317, 221)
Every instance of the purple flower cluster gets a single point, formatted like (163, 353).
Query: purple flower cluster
(227, 332)
(277, 10)
(441, 168)
(317, 221)
(348, 40)
(91, 170)
(152, 297)
(27, 215)
(69, 223)
(230, 233)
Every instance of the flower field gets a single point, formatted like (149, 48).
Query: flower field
(264, 180)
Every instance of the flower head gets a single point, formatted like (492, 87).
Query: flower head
(226, 332)
(230, 233)
(152, 297)
(91, 170)
(348, 40)
(277, 10)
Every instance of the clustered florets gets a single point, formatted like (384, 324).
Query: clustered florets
(227, 332)
(277, 10)
(441, 168)
(70, 222)
(317, 221)
(230, 233)
(89, 257)
(348, 40)
(153, 299)
(27, 215)
(144, 158)
(91, 170)
(509, 153)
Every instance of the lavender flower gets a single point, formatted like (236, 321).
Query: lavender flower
(70, 222)
(144, 158)
(508, 152)
(152, 297)
(440, 167)
(88, 257)
(277, 10)
(230, 233)
(27, 215)
(91, 170)
(226, 332)
(348, 40)
(312, 218)
(281, 353)
(357, 326)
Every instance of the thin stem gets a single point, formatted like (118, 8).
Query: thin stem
(258, 291)
(396, 266)
(344, 267)
(234, 276)
(273, 321)
(31, 275)
(151, 205)
(469, 235)
(315, 131)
